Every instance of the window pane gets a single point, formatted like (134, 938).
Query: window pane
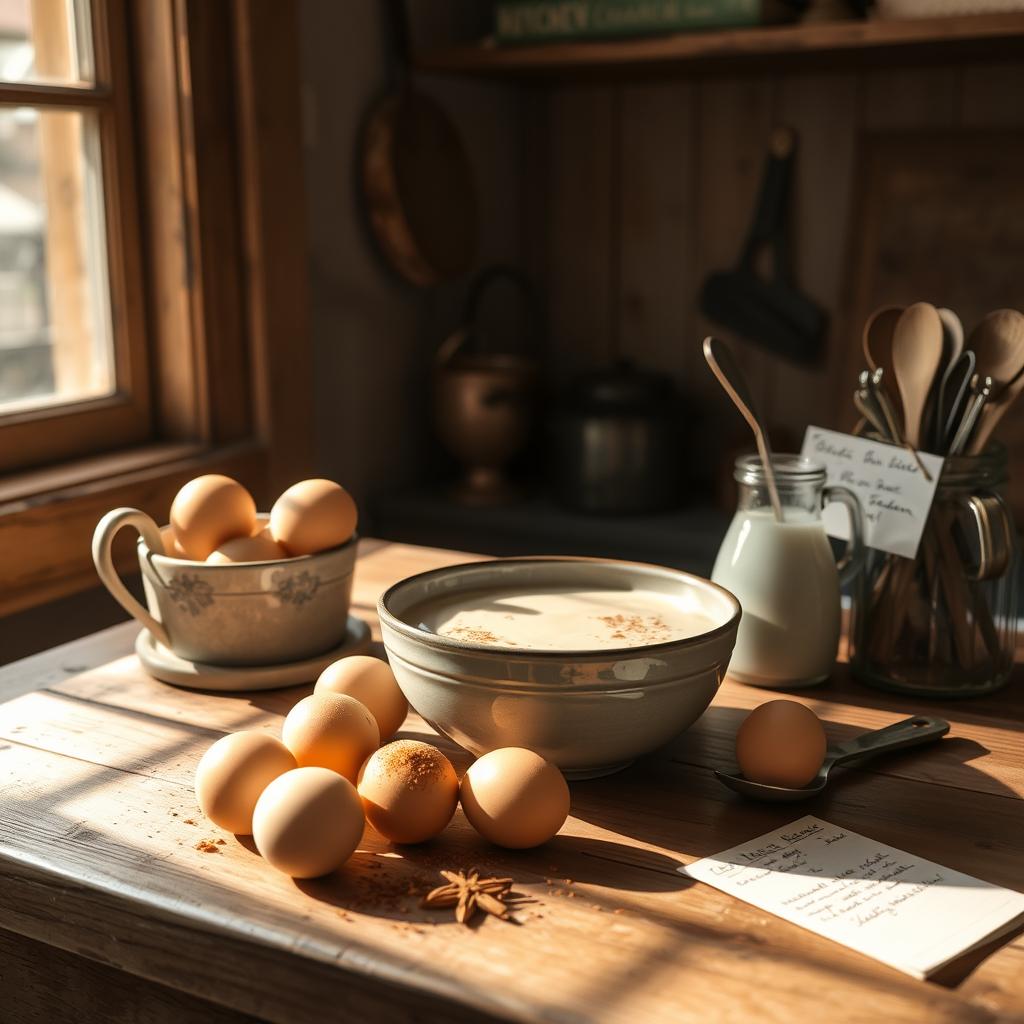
(55, 336)
(45, 41)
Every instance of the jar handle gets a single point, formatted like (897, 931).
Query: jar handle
(995, 535)
(853, 558)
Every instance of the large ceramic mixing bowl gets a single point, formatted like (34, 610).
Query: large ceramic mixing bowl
(590, 712)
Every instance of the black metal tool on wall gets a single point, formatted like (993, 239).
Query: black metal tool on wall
(772, 311)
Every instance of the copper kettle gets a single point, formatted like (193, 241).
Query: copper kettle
(484, 401)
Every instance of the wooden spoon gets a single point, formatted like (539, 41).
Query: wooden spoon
(992, 412)
(998, 344)
(953, 329)
(916, 357)
(952, 346)
(877, 338)
(730, 376)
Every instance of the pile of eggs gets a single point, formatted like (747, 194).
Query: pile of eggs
(304, 798)
(213, 519)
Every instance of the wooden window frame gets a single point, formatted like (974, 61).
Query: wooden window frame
(59, 431)
(215, 120)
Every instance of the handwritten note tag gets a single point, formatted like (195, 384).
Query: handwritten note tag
(906, 911)
(894, 495)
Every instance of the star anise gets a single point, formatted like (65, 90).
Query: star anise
(468, 893)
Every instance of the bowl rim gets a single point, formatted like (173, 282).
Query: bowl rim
(160, 557)
(440, 642)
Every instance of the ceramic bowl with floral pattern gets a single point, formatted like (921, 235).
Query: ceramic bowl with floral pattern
(243, 613)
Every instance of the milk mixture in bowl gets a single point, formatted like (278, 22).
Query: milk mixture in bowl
(564, 618)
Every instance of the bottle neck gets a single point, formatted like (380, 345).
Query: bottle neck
(797, 496)
(799, 481)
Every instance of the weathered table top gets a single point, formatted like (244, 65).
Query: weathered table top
(98, 856)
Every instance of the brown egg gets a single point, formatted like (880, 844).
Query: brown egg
(308, 822)
(260, 547)
(780, 743)
(331, 730)
(233, 773)
(371, 682)
(172, 548)
(312, 516)
(515, 798)
(210, 510)
(409, 791)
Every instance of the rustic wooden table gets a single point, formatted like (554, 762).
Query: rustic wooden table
(110, 912)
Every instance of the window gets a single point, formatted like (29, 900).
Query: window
(72, 360)
(153, 316)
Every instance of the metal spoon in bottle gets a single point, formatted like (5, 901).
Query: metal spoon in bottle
(908, 733)
(729, 375)
(981, 389)
(955, 384)
(993, 412)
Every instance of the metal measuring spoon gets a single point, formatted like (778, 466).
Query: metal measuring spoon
(908, 733)
(981, 389)
(952, 395)
(730, 376)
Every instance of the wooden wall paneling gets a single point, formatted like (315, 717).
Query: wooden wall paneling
(535, 190)
(992, 95)
(910, 98)
(180, 410)
(363, 318)
(657, 250)
(276, 276)
(204, 34)
(823, 111)
(891, 101)
(580, 288)
(735, 117)
(489, 119)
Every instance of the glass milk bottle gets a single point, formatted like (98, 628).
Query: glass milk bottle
(784, 573)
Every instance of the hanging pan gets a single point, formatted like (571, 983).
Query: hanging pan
(416, 180)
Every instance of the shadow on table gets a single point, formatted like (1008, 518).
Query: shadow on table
(946, 762)
(370, 883)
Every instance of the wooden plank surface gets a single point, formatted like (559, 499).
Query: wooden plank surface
(98, 857)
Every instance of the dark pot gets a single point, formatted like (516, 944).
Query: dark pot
(615, 443)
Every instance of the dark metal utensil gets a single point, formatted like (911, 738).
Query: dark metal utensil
(909, 733)
(955, 382)
(981, 389)
(774, 312)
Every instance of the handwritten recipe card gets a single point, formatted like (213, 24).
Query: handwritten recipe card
(908, 912)
(895, 496)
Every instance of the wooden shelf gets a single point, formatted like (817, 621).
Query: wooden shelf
(825, 44)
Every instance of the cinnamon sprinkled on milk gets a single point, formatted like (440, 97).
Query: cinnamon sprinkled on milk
(563, 618)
